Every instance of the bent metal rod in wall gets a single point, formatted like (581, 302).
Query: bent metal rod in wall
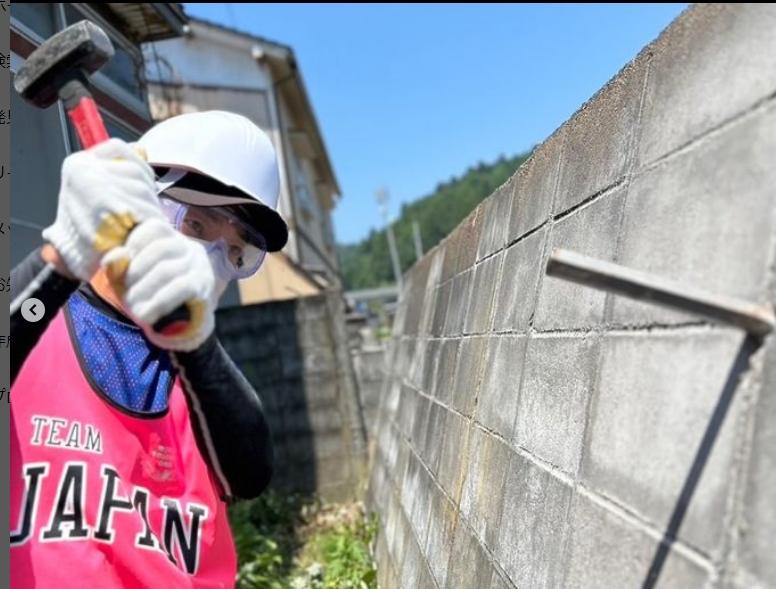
(756, 319)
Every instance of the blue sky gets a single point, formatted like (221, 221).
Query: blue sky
(411, 95)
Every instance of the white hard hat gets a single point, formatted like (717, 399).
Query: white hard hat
(218, 158)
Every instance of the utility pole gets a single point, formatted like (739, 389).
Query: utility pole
(382, 197)
(418, 242)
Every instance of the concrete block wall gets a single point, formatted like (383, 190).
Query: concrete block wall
(369, 364)
(536, 434)
(295, 354)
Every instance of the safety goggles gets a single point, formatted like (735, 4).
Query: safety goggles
(235, 249)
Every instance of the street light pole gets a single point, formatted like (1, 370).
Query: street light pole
(382, 197)
(418, 242)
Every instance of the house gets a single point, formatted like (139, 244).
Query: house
(40, 139)
(216, 67)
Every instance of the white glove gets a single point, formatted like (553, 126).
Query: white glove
(156, 271)
(104, 192)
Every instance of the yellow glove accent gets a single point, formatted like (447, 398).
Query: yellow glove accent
(113, 231)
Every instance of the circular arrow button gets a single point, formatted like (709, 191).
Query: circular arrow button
(33, 310)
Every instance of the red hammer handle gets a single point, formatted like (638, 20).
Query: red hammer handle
(88, 123)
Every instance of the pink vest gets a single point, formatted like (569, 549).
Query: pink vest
(104, 500)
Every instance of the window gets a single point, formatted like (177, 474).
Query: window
(328, 231)
(124, 67)
(37, 150)
(115, 129)
(301, 188)
(39, 18)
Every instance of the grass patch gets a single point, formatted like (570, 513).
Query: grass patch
(295, 542)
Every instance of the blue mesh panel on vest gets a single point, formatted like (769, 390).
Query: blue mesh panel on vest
(121, 362)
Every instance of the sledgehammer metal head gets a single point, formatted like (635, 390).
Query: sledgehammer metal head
(77, 51)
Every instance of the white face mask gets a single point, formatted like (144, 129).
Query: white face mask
(221, 281)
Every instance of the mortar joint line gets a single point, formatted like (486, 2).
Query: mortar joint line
(527, 234)
(503, 249)
(590, 200)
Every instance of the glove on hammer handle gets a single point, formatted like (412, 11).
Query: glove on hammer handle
(83, 113)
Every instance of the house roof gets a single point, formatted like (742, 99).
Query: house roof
(239, 33)
(145, 22)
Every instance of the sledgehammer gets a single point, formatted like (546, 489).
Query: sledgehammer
(59, 70)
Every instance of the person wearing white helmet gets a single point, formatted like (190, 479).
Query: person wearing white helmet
(127, 438)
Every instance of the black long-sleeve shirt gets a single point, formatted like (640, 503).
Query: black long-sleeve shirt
(226, 411)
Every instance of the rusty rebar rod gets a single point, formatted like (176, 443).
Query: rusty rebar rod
(756, 319)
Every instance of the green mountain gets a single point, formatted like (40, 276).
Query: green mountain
(368, 264)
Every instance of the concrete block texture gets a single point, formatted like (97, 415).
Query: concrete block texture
(472, 567)
(534, 525)
(520, 276)
(425, 578)
(453, 244)
(600, 139)
(706, 218)
(499, 582)
(417, 365)
(398, 533)
(411, 484)
(495, 220)
(445, 371)
(712, 64)
(441, 302)
(454, 456)
(484, 485)
(607, 550)
(437, 258)
(498, 401)
(420, 425)
(460, 292)
(757, 530)
(483, 295)
(431, 445)
(429, 374)
(655, 404)
(415, 289)
(468, 373)
(421, 506)
(468, 233)
(554, 398)
(407, 410)
(412, 561)
(443, 521)
(535, 188)
(591, 231)
(405, 358)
